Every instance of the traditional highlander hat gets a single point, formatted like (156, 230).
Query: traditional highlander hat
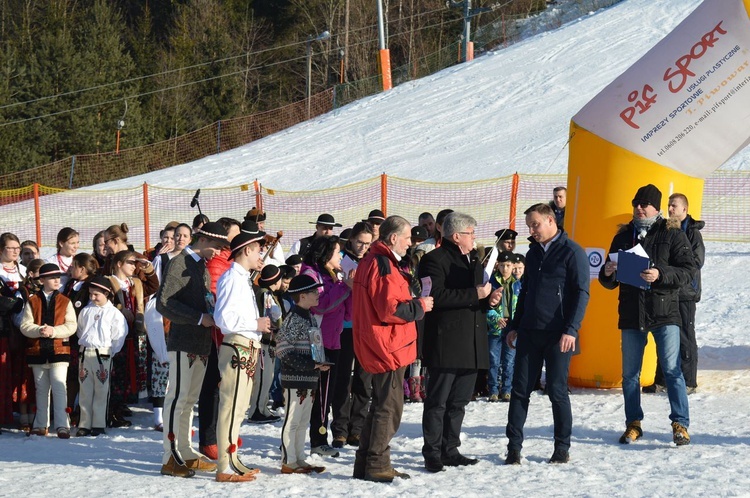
(50, 270)
(326, 219)
(213, 231)
(248, 234)
(101, 284)
(303, 283)
(269, 276)
(256, 215)
(376, 217)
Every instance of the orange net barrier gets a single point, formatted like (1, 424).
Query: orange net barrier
(38, 212)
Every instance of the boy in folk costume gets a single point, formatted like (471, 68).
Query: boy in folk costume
(48, 321)
(102, 329)
(185, 299)
(268, 306)
(238, 318)
(300, 374)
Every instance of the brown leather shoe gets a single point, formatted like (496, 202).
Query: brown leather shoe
(222, 477)
(286, 469)
(38, 431)
(201, 464)
(172, 468)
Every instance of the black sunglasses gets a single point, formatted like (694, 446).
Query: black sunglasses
(643, 204)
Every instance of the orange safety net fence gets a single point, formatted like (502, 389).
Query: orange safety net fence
(38, 212)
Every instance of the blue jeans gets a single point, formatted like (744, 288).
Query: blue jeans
(507, 360)
(667, 340)
(495, 347)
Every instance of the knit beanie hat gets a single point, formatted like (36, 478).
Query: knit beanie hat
(648, 193)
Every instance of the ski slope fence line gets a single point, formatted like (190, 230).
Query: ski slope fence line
(37, 212)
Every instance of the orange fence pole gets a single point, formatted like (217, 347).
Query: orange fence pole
(147, 236)
(37, 216)
(258, 196)
(384, 57)
(384, 193)
(513, 201)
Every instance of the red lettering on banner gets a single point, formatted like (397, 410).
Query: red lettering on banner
(682, 71)
(640, 106)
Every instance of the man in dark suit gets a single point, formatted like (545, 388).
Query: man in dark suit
(455, 339)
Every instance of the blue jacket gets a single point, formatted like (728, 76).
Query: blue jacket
(555, 288)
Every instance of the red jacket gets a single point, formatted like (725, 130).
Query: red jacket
(384, 312)
(216, 267)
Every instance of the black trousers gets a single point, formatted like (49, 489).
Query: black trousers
(688, 348)
(381, 424)
(351, 394)
(322, 401)
(532, 348)
(208, 401)
(448, 392)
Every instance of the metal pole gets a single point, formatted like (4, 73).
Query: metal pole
(467, 30)
(381, 27)
(309, 74)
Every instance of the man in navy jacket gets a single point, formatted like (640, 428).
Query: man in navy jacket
(551, 305)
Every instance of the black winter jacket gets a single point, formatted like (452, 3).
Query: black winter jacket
(692, 228)
(455, 331)
(669, 250)
(555, 289)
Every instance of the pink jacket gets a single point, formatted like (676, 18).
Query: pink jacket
(334, 305)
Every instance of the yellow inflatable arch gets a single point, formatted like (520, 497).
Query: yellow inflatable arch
(671, 119)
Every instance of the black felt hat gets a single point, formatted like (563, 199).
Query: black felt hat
(244, 238)
(287, 271)
(213, 231)
(326, 219)
(303, 283)
(269, 276)
(506, 234)
(100, 283)
(50, 270)
(648, 194)
(376, 217)
(345, 234)
(294, 259)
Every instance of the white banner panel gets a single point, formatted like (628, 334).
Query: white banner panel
(686, 103)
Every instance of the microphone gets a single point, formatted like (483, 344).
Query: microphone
(195, 198)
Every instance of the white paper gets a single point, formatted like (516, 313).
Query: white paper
(426, 286)
(638, 250)
(613, 257)
(347, 265)
(490, 266)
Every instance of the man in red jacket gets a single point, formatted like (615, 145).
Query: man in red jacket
(385, 342)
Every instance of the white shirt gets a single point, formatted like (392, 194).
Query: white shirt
(62, 262)
(236, 308)
(546, 246)
(102, 327)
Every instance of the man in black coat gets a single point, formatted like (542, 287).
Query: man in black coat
(549, 312)
(688, 296)
(654, 309)
(455, 339)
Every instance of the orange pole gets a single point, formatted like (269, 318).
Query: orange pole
(37, 216)
(385, 68)
(513, 201)
(384, 193)
(470, 56)
(117, 143)
(258, 195)
(147, 237)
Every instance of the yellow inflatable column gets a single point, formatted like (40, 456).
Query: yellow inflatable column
(602, 179)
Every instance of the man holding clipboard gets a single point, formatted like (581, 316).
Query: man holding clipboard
(648, 303)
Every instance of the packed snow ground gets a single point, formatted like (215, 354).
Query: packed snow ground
(126, 462)
(504, 112)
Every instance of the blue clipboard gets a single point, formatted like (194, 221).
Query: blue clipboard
(629, 268)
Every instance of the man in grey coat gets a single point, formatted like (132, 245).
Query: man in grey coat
(185, 299)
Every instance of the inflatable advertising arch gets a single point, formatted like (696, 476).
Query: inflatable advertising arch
(671, 119)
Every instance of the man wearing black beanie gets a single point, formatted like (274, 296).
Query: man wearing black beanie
(652, 307)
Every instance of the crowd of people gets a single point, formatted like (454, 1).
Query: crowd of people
(336, 335)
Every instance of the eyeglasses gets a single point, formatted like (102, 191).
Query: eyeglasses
(363, 244)
(641, 204)
(472, 234)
